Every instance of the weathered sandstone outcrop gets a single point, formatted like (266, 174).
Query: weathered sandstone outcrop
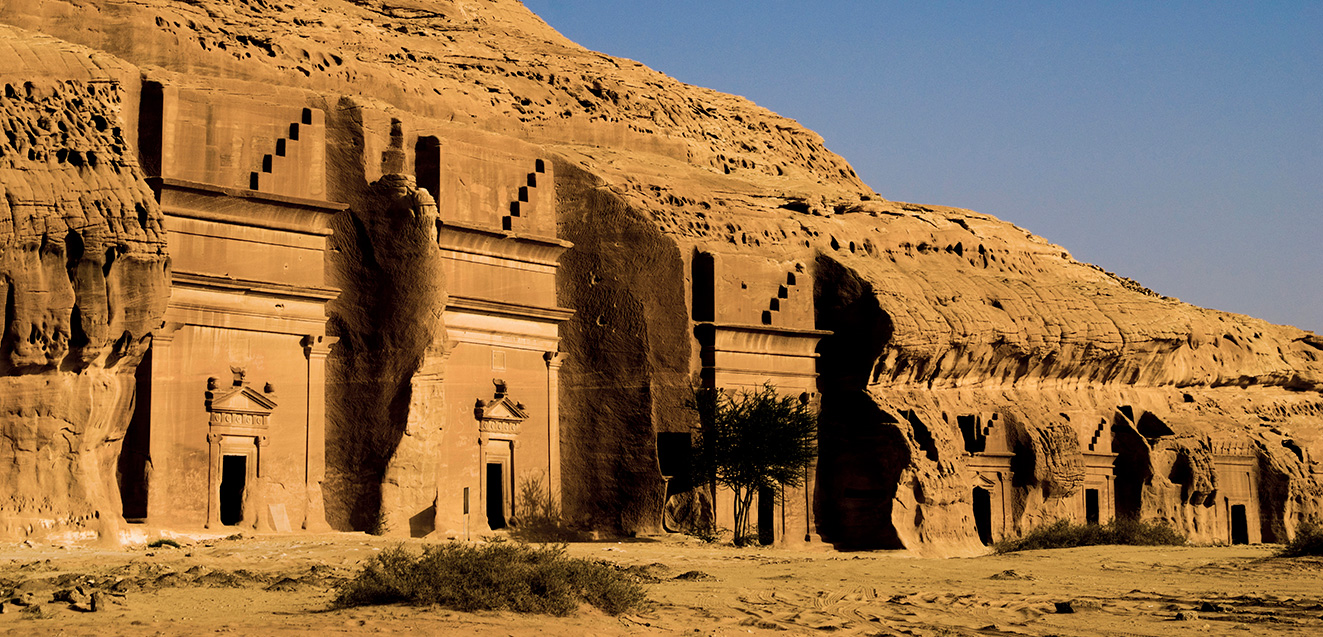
(84, 277)
(973, 379)
(388, 320)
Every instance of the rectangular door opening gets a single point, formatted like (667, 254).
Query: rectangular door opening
(983, 514)
(495, 495)
(1239, 525)
(1091, 515)
(766, 516)
(427, 166)
(234, 477)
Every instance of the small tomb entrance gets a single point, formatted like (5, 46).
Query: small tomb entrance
(983, 514)
(1239, 525)
(766, 516)
(240, 418)
(496, 495)
(234, 478)
(499, 423)
(1091, 506)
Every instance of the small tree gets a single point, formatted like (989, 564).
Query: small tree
(753, 440)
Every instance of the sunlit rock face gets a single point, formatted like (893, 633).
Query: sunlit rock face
(973, 380)
(84, 275)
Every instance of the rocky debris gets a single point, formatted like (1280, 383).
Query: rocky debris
(695, 576)
(38, 611)
(689, 512)
(286, 585)
(74, 596)
(1011, 574)
(96, 593)
(124, 586)
(219, 579)
(649, 573)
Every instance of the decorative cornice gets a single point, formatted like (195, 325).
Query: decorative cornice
(250, 286)
(502, 308)
(162, 183)
(500, 244)
(759, 329)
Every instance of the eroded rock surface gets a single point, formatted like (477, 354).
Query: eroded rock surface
(970, 363)
(84, 276)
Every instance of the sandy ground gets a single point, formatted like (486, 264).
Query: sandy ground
(281, 585)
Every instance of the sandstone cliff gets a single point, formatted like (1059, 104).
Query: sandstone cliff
(939, 315)
(84, 275)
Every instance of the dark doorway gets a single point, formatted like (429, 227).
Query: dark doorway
(983, 514)
(704, 287)
(766, 516)
(495, 495)
(427, 166)
(673, 454)
(1091, 506)
(234, 476)
(1239, 525)
(150, 116)
(975, 441)
(674, 451)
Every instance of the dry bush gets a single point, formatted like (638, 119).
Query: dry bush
(1308, 541)
(1064, 534)
(498, 576)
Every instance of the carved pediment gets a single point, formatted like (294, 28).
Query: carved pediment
(503, 409)
(501, 414)
(239, 405)
(244, 400)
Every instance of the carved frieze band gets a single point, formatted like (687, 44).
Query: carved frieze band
(237, 419)
(498, 427)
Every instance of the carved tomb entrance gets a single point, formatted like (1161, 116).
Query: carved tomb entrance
(240, 418)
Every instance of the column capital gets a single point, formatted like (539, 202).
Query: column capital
(317, 345)
(554, 359)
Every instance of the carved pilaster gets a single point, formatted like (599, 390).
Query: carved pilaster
(159, 444)
(316, 347)
(554, 361)
(213, 479)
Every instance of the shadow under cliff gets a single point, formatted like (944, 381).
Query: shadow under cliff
(625, 377)
(387, 318)
(861, 450)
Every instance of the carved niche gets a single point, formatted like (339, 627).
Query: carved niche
(501, 414)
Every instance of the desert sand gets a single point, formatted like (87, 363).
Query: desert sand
(282, 585)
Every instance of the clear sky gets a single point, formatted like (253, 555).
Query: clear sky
(1179, 143)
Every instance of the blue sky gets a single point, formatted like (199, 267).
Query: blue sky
(1176, 143)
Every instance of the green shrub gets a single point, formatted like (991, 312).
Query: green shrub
(1063, 534)
(501, 576)
(1308, 540)
(156, 544)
